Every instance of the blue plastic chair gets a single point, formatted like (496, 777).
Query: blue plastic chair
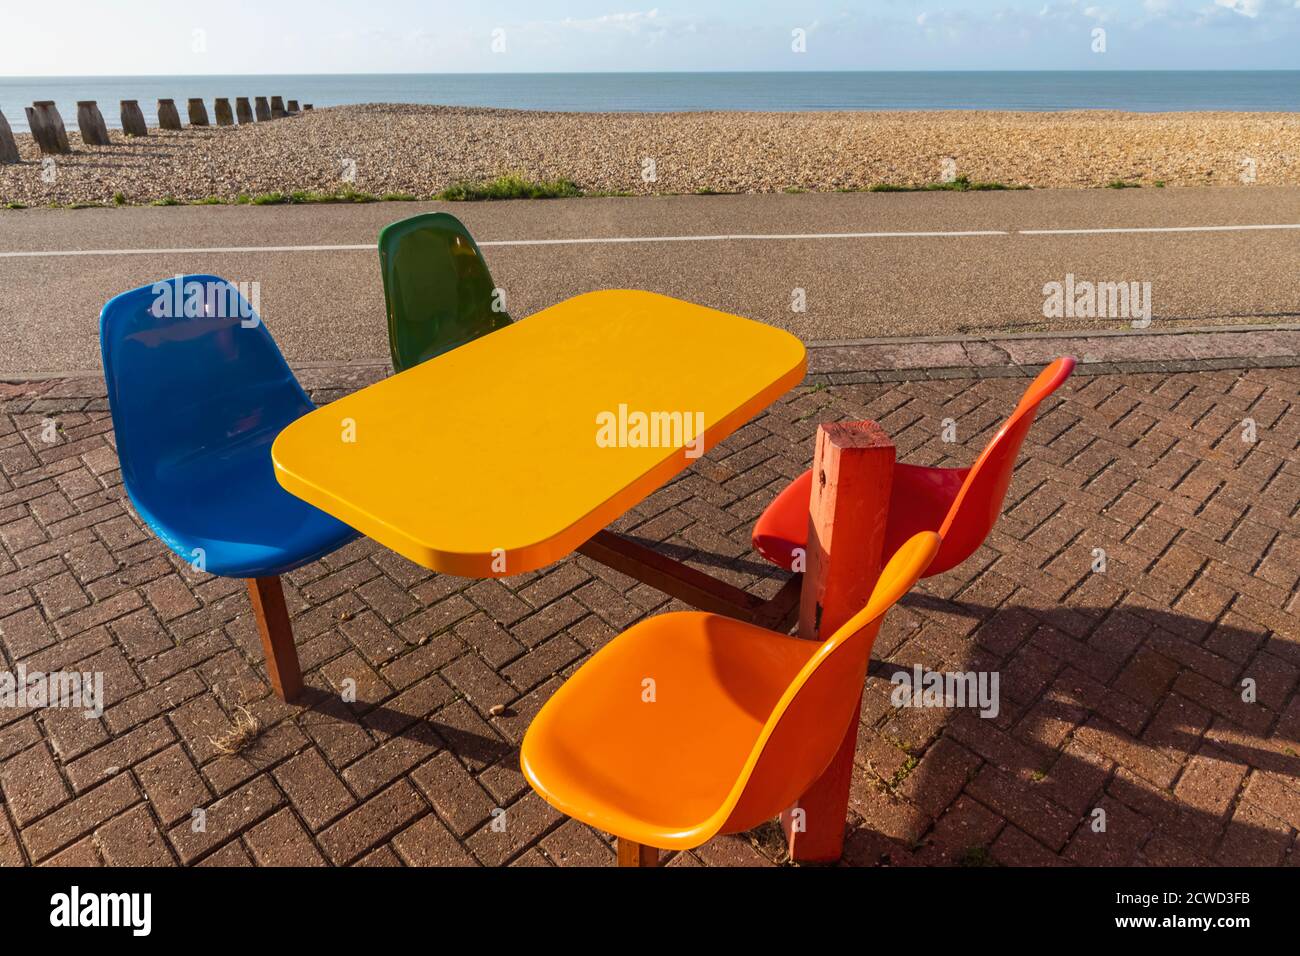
(197, 399)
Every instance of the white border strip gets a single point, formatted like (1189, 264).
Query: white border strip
(370, 246)
(617, 240)
(1086, 232)
(53, 253)
(745, 236)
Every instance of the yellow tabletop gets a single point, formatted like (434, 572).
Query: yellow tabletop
(507, 453)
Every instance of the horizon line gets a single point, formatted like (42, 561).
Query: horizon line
(109, 76)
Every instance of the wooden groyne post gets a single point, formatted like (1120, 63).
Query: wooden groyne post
(198, 112)
(90, 122)
(277, 108)
(243, 111)
(8, 148)
(40, 132)
(306, 107)
(221, 107)
(293, 106)
(168, 117)
(47, 128)
(54, 121)
(263, 110)
(133, 119)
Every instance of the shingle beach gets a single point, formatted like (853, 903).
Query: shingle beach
(421, 150)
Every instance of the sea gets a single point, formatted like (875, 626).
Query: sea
(1138, 91)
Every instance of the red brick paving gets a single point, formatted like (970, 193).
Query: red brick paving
(1121, 691)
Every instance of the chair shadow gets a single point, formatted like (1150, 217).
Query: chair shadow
(1195, 830)
(388, 722)
(1037, 716)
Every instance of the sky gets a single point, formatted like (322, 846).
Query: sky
(163, 37)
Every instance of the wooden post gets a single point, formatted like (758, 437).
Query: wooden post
(277, 108)
(267, 598)
(40, 134)
(292, 106)
(243, 111)
(53, 138)
(306, 107)
(168, 117)
(8, 146)
(263, 110)
(54, 121)
(225, 115)
(198, 112)
(636, 854)
(90, 122)
(853, 472)
(133, 119)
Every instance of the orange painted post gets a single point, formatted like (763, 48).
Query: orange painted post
(853, 472)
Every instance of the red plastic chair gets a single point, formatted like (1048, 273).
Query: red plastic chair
(962, 504)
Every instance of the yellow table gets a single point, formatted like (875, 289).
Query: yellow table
(491, 460)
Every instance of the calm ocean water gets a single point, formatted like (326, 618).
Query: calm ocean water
(650, 92)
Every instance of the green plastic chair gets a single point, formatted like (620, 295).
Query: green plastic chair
(437, 289)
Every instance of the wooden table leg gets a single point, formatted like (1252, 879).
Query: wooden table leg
(636, 854)
(687, 584)
(267, 597)
(853, 473)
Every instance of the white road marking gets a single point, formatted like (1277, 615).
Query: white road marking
(598, 240)
(1084, 232)
(743, 236)
(614, 240)
(178, 252)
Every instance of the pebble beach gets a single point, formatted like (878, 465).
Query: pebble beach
(418, 151)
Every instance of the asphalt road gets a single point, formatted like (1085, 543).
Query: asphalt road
(327, 304)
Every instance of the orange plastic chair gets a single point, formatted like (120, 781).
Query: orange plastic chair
(691, 724)
(962, 504)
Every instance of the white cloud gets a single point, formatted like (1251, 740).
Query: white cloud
(1247, 8)
(633, 23)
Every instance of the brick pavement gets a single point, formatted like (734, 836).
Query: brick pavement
(1120, 691)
